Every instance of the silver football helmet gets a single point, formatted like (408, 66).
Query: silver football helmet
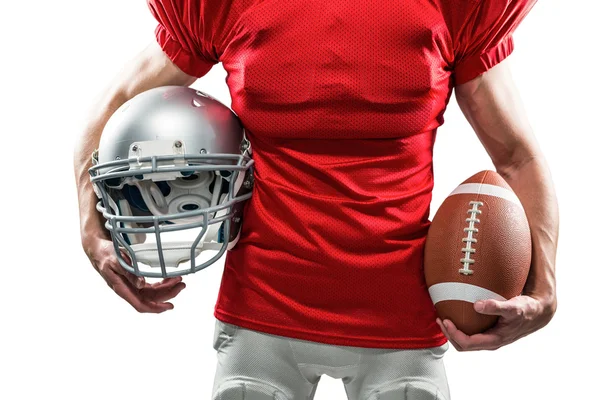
(172, 161)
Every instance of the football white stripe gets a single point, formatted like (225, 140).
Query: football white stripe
(491, 190)
(461, 291)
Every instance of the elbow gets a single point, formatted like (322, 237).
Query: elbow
(508, 169)
(517, 159)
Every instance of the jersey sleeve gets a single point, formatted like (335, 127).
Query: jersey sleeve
(482, 34)
(184, 35)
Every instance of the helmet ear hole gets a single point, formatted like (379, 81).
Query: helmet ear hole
(190, 207)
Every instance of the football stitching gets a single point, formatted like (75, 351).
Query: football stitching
(470, 240)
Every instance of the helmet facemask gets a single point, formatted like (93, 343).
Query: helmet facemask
(165, 206)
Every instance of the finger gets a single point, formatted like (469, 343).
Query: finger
(485, 341)
(166, 283)
(139, 303)
(163, 293)
(442, 327)
(480, 341)
(494, 307)
(457, 335)
(122, 288)
(445, 331)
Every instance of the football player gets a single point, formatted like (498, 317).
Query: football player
(341, 101)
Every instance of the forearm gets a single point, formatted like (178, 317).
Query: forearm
(532, 182)
(492, 106)
(149, 69)
(91, 221)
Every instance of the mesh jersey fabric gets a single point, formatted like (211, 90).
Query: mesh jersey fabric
(341, 101)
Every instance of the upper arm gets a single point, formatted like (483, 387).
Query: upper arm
(481, 34)
(492, 105)
(183, 49)
(149, 69)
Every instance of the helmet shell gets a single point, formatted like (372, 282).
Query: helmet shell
(202, 123)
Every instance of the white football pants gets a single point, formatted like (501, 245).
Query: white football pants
(258, 366)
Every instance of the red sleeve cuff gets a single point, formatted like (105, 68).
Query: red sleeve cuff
(474, 66)
(191, 64)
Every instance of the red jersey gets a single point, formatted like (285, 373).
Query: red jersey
(341, 100)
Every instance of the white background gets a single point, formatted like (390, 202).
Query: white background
(64, 334)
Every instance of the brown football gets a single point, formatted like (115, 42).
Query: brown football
(478, 247)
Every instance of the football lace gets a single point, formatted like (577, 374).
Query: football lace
(468, 250)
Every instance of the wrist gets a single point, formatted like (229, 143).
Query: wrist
(549, 305)
(544, 292)
(542, 287)
(89, 237)
(547, 302)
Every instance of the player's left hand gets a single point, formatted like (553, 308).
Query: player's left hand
(519, 317)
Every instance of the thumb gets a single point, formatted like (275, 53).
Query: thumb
(491, 307)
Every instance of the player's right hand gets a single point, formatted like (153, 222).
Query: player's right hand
(144, 297)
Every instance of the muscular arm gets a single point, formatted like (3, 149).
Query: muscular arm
(150, 68)
(492, 105)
